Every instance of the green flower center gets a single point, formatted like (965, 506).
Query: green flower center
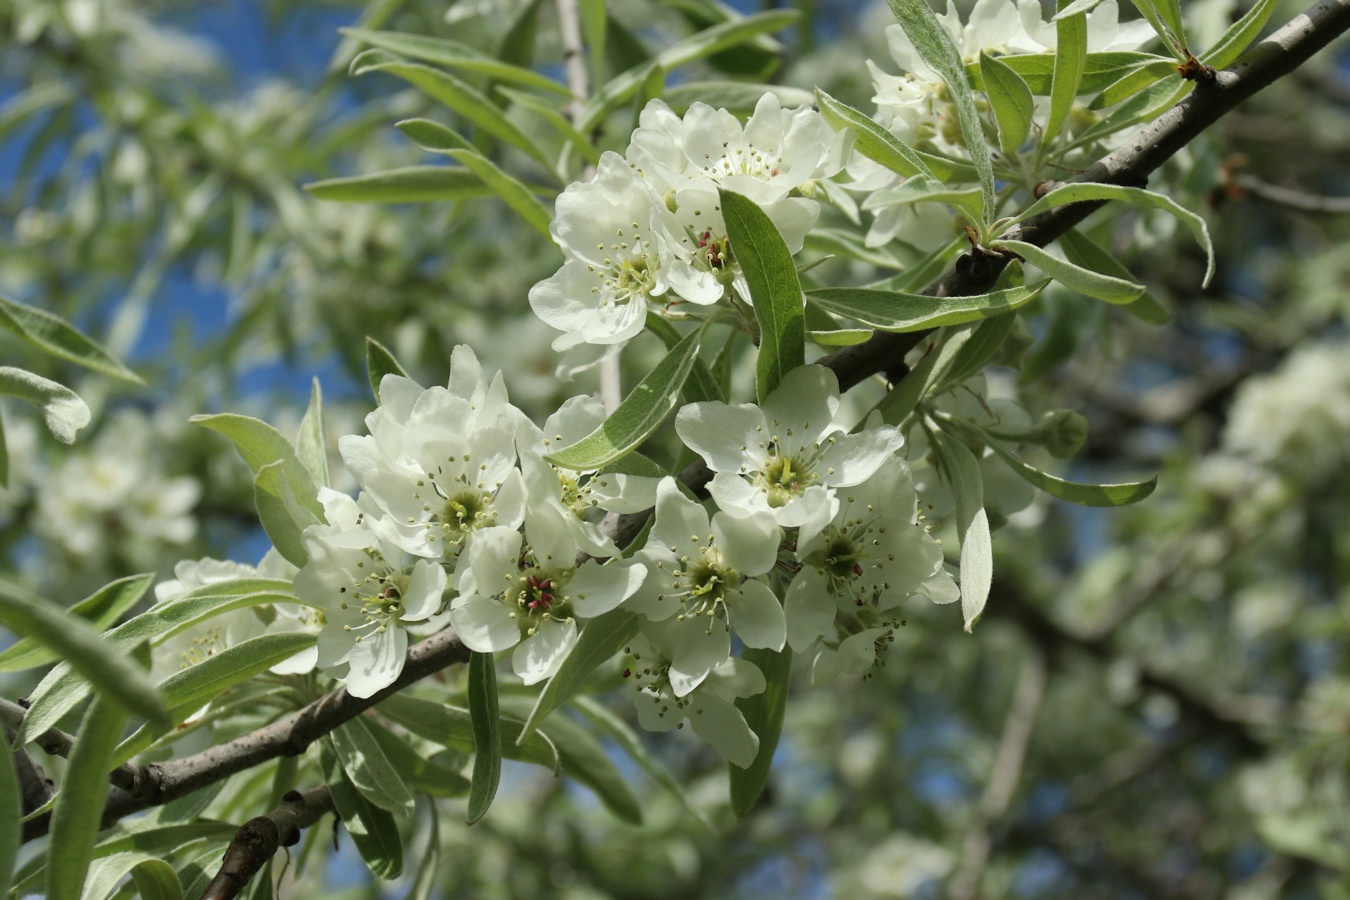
(537, 596)
(784, 478)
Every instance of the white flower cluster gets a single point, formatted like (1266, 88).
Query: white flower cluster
(647, 232)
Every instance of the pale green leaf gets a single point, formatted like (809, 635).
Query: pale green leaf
(280, 512)
(1078, 192)
(1070, 60)
(961, 471)
(262, 445)
(93, 657)
(374, 831)
(78, 812)
(379, 363)
(100, 609)
(62, 409)
(11, 814)
(1137, 80)
(874, 141)
(1120, 494)
(901, 312)
(310, 444)
(368, 769)
(1083, 251)
(1014, 108)
(1085, 281)
(452, 727)
(640, 413)
(53, 334)
(1239, 36)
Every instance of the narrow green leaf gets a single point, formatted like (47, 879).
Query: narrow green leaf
(78, 812)
(934, 45)
(454, 55)
(698, 46)
(1083, 251)
(64, 687)
(368, 769)
(1120, 494)
(1085, 281)
(1169, 11)
(411, 184)
(1014, 108)
(11, 814)
(100, 609)
(281, 514)
(262, 445)
(62, 409)
(374, 831)
(1137, 80)
(901, 312)
(1239, 36)
(424, 883)
(433, 136)
(379, 363)
(873, 141)
(961, 471)
(700, 385)
(53, 334)
(1070, 59)
(765, 260)
(764, 714)
(1099, 69)
(1144, 106)
(90, 655)
(986, 338)
(594, 25)
(455, 94)
(1090, 192)
(599, 642)
(638, 415)
(311, 447)
(487, 735)
(1078, 6)
(904, 397)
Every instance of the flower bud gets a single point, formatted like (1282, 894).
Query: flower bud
(669, 199)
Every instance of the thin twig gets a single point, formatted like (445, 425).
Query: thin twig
(1298, 200)
(258, 840)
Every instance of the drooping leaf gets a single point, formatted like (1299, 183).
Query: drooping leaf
(1080, 192)
(1137, 80)
(62, 409)
(920, 189)
(549, 113)
(11, 814)
(1083, 251)
(1014, 108)
(765, 260)
(1085, 281)
(262, 445)
(901, 312)
(935, 46)
(52, 334)
(487, 736)
(874, 141)
(700, 385)
(640, 413)
(374, 831)
(451, 727)
(1120, 494)
(961, 471)
(764, 714)
(281, 514)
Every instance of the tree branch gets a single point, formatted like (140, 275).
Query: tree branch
(159, 783)
(258, 840)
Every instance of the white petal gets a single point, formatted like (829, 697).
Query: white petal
(722, 725)
(758, 616)
(749, 544)
(484, 625)
(539, 656)
(597, 589)
(376, 661)
(723, 435)
(695, 651)
(809, 609)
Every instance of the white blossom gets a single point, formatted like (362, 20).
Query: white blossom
(710, 708)
(701, 580)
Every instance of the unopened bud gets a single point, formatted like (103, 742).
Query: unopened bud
(669, 199)
(1065, 432)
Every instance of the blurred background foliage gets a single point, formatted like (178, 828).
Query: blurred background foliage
(1158, 699)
